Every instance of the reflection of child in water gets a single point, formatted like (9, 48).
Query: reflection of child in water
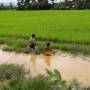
(47, 49)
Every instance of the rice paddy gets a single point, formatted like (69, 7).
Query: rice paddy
(69, 30)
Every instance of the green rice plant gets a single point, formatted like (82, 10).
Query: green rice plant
(60, 26)
(63, 28)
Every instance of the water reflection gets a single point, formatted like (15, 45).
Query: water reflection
(33, 63)
(47, 60)
(33, 58)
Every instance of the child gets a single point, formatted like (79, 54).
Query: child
(32, 42)
(47, 49)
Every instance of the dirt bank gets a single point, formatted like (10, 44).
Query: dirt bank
(71, 67)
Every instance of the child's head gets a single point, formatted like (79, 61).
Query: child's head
(48, 44)
(33, 35)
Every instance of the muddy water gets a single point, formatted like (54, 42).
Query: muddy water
(71, 67)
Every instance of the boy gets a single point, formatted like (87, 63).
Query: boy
(32, 42)
(47, 49)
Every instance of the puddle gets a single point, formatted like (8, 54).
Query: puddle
(71, 67)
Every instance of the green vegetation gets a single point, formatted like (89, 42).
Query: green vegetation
(67, 30)
(12, 77)
(11, 72)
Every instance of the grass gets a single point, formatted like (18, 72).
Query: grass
(21, 45)
(11, 72)
(68, 30)
(12, 77)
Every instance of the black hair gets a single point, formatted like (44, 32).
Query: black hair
(33, 35)
(48, 43)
